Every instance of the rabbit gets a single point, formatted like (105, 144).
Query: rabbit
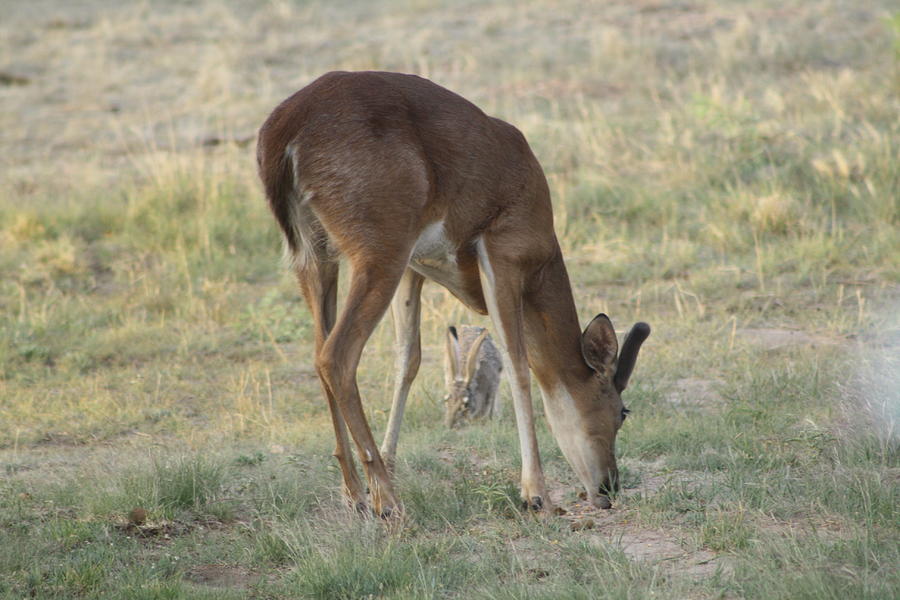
(472, 372)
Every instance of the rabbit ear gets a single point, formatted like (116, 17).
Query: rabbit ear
(472, 359)
(453, 351)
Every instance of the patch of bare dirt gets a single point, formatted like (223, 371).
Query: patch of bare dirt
(221, 576)
(651, 477)
(616, 528)
(658, 548)
(581, 514)
(159, 532)
(653, 480)
(613, 528)
(825, 527)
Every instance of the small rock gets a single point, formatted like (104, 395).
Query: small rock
(582, 525)
(137, 516)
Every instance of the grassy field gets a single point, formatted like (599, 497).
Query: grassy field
(726, 171)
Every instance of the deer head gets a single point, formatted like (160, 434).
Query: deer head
(590, 412)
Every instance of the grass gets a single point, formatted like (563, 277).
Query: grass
(724, 171)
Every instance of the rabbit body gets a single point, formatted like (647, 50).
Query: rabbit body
(472, 373)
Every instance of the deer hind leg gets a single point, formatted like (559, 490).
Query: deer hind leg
(372, 286)
(318, 282)
(503, 289)
(406, 315)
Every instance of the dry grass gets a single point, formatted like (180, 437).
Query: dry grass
(726, 171)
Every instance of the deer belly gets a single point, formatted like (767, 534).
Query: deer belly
(434, 256)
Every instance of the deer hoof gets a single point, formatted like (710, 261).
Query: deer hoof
(602, 502)
(536, 503)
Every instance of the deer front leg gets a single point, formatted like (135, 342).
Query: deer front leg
(406, 314)
(502, 286)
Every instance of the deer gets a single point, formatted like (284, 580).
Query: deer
(403, 180)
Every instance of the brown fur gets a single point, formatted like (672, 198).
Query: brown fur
(374, 158)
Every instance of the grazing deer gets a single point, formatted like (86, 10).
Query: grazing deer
(472, 373)
(407, 180)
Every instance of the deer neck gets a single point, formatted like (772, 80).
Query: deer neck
(553, 334)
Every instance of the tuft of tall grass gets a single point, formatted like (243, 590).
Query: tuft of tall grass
(360, 559)
(856, 566)
(165, 486)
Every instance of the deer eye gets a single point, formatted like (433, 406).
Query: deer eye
(625, 413)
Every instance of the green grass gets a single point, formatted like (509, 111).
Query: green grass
(724, 171)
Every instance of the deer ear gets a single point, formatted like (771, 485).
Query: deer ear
(453, 351)
(599, 346)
